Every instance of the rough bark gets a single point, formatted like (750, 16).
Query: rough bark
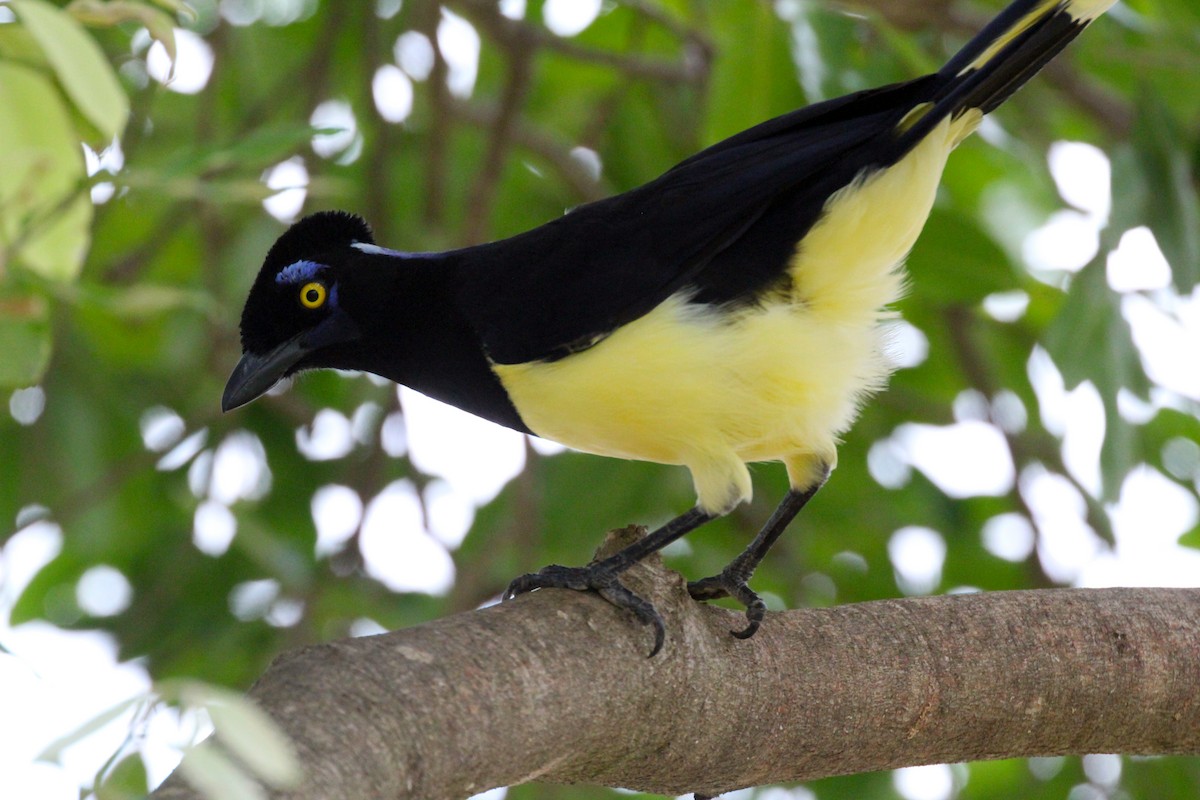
(556, 686)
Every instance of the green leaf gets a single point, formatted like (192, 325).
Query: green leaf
(45, 216)
(747, 90)
(24, 340)
(1191, 538)
(243, 728)
(255, 739)
(1156, 187)
(217, 776)
(956, 263)
(1091, 340)
(178, 7)
(114, 12)
(125, 781)
(144, 300)
(82, 69)
(17, 44)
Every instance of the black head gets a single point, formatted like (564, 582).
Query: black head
(294, 311)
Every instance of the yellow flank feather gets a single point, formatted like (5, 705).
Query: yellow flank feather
(711, 388)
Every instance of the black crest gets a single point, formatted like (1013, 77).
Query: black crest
(317, 233)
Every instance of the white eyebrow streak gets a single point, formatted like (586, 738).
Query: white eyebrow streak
(376, 250)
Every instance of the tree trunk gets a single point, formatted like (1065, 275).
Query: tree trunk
(556, 686)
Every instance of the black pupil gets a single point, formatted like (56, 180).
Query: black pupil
(312, 295)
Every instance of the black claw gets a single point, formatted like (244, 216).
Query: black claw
(730, 583)
(597, 578)
(755, 611)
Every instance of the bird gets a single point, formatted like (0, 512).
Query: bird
(727, 312)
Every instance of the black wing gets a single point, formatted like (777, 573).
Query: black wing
(721, 225)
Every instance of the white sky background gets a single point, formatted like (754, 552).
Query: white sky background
(55, 681)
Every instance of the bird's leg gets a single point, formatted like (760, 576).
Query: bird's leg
(601, 576)
(733, 581)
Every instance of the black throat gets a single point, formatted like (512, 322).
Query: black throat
(415, 334)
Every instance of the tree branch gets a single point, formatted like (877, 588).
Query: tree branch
(556, 687)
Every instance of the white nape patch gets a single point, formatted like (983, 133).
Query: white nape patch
(376, 250)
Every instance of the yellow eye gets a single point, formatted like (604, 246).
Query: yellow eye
(312, 295)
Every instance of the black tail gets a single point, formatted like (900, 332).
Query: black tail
(1002, 57)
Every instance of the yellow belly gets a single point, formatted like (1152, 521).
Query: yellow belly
(690, 385)
(712, 389)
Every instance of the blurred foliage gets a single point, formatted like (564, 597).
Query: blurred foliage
(121, 286)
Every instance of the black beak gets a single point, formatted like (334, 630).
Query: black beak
(255, 374)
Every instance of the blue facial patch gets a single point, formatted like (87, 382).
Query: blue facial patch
(299, 272)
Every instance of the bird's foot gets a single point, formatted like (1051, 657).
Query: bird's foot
(732, 583)
(600, 578)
